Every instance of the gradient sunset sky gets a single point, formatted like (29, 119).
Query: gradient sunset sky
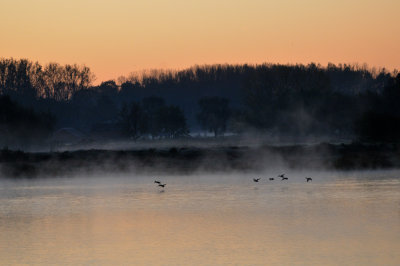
(117, 37)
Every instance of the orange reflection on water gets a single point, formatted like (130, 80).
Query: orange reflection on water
(284, 224)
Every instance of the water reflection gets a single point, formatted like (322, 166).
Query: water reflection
(339, 218)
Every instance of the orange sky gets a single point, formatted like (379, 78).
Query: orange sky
(116, 37)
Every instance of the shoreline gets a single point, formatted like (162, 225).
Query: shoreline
(186, 159)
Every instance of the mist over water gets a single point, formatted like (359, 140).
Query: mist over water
(340, 218)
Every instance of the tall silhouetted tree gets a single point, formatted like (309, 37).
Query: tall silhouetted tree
(133, 120)
(214, 114)
(381, 123)
(172, 122)
(108, 88)
(151, 108)
(20, 126)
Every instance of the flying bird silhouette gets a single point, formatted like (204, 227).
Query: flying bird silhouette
(162, 185)
(158, 182)
(308, 179)
(271, 178)
(256, 179)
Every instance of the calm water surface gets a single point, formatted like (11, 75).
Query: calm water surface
(350, 218)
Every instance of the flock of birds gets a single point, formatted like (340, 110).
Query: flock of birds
(282, 176)
(160, 184)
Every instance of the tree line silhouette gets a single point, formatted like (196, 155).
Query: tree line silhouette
(152, 117)
(20, 126)
(292, 100)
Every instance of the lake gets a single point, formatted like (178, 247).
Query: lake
(340, 218)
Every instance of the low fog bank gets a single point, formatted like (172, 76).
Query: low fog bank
(250, 139)
(195, 160)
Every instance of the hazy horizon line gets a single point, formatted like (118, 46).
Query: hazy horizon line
(151, 71)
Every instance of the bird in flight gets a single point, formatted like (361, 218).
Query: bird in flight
(256, 179)
(271, 178)
(158, 182)
(162, 185)
(308, 179)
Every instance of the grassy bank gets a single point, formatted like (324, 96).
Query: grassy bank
(183, 160)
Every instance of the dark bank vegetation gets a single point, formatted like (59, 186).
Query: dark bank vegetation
(214, 114)
(298, 101)
(187, 160)
(153, 117)
(20, 126)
